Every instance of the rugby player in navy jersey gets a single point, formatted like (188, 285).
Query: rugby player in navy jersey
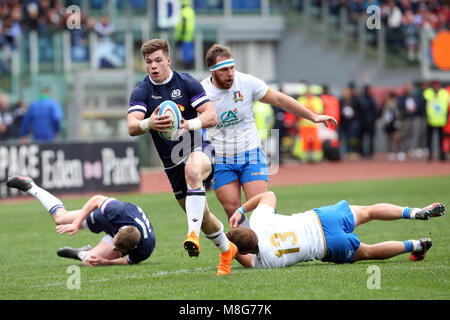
(129, 237)
(189, 161)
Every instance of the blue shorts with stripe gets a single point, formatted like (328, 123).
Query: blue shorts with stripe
(338, 224)
(245, 166)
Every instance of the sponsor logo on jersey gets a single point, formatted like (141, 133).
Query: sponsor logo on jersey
(230, 115)
(181, 107)
(229, 118)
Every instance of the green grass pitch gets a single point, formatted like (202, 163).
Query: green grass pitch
(30, 268)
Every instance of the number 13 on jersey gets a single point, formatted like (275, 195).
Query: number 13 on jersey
(283, 237)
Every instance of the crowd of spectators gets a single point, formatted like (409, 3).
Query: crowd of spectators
(400, 113)
(403, 20)
(46, 16)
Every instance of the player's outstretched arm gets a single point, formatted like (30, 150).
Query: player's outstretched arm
(289, 104)
(92, 260)
(268, 198)
(92, 204)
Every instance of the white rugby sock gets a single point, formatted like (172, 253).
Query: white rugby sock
(195, 206)
(82, 255)
(49, 201)
(219, 239)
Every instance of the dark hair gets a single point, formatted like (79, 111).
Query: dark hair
(153, 45)
(244, 238)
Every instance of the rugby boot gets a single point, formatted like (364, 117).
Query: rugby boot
(20, 182)
(225, 260)
(192, 244)
(420, 255)
(72, 253)
(433, 210)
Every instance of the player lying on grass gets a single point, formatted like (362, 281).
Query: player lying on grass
(324, 233)
(129, 235)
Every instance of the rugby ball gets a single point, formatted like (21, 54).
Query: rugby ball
(170, 108)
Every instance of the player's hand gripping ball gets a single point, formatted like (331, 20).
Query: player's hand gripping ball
(169, 108)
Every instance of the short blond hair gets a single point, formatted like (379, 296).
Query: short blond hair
(150, 46)
(215, 51)
(126, 239)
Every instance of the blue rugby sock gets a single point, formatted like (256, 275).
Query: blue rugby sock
(409, 213)
(408, 246)
(412, 245)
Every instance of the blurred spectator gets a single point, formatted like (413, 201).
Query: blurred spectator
(410, 109)
(6, 118)
(279, 115)
(80, 39)
(329, 135)
(10, 32)
(12, 26)
(421, 150)
(104, 28)
(18, 112)
(446, 129)
(411, 36)
(437, 104)
(107, 54)
(31, 18)
(184, 34)
(330, 103)
(369, 114)
(391, 124)
(392, 17)
(43, 119)
(309, 143)
(4, 52)
(349, 126)
(264, 120)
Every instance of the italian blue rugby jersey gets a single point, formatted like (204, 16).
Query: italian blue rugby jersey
(114, 214)
(187, 93)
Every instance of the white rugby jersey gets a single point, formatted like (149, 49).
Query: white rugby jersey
(286, 240)
(236, 130)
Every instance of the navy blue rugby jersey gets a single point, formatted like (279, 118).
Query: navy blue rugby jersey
(182, 89)
(113, 215)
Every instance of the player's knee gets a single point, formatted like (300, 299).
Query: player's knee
(363, 253)
(192, 172)
(59, 218)
(231, 205)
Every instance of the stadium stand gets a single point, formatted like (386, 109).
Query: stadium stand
(324, 38)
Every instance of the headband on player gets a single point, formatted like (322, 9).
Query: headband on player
(222, 64)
